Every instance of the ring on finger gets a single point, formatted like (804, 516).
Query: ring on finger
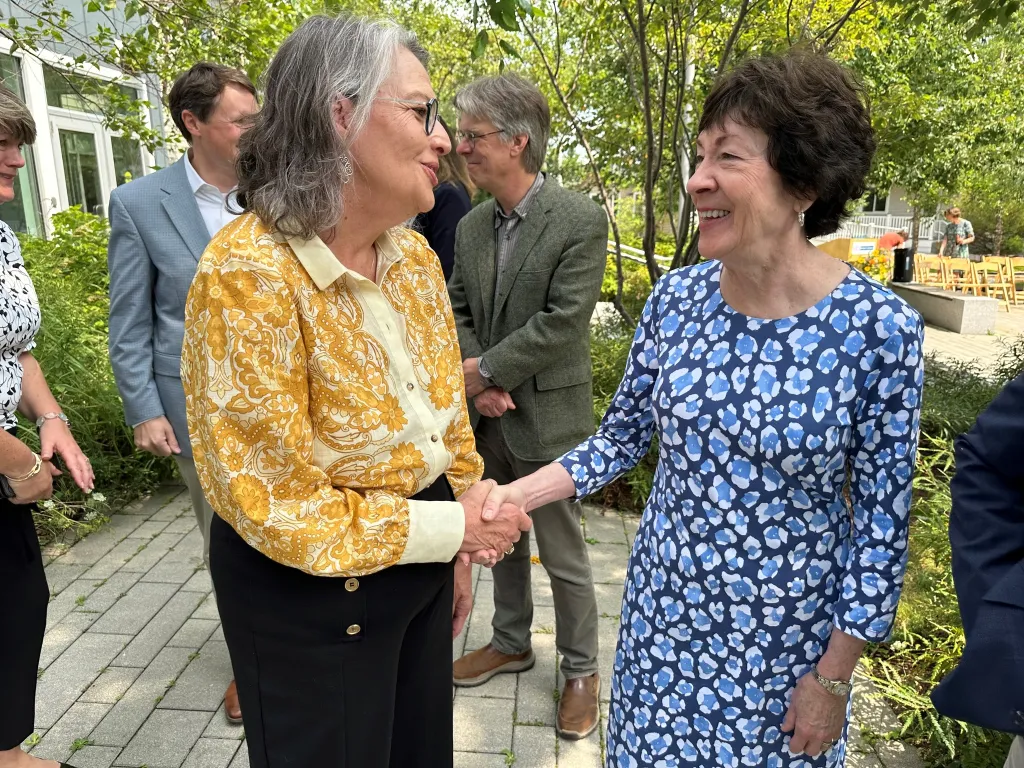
(510, 550)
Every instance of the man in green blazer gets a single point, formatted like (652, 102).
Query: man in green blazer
(528, 270)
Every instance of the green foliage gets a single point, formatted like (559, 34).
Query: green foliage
(636, 285)
(928, 638)
(69, 273)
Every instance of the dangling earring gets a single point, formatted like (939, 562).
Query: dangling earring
(800, 217)
(346, 168)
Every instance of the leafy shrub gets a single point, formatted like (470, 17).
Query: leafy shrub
(928, 638)
(636, 285)
(70, 277)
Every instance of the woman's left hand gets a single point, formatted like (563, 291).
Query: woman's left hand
(815, 716)
(55, 437)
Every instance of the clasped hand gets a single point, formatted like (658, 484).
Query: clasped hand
(495, 520)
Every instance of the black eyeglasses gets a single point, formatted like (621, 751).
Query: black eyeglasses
(472, 138)
(428, 109)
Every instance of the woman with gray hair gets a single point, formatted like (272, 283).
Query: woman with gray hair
(328, 417)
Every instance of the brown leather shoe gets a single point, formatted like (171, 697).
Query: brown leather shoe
(481, 665)
(577, 707)
(232, 710)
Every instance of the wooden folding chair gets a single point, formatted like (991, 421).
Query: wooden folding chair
(1014, 266)
(958, 275)
(928, 270)
(990, 279)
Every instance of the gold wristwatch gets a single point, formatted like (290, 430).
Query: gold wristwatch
(835, 687)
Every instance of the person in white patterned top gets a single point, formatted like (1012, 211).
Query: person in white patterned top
(25, 476)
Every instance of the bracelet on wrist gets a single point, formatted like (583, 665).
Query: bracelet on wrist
(38, 465)
(49, 415)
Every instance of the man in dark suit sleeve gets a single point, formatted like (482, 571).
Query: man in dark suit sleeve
(986, 531)
(528, 271)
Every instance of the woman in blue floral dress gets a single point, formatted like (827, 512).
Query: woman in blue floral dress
(784, 388)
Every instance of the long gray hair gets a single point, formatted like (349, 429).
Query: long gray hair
(292, 164)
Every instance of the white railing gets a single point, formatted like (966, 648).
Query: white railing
(635, 254)
(875, 226)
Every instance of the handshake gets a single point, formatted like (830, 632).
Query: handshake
(495, 519)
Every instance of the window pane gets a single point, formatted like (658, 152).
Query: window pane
(127, 159)
(81, 170)
(10, 73)
(83, 94)
(21, 213)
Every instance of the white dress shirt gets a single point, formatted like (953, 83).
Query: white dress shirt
(214, 205)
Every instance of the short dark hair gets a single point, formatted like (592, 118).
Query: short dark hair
(199, 89)
(815, 114)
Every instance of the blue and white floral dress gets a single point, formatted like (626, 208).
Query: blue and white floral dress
(749, 551)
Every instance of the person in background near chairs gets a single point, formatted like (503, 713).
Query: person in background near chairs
(159, 226)
(785, 391)
(528, 271)
(452, 200)
(986, 533)
(328, 418)
(26, 476)
(891, 240)
(958, 236)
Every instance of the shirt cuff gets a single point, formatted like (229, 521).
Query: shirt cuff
(485, 372)
(436, 530)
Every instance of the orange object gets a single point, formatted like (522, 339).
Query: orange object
(890, 240)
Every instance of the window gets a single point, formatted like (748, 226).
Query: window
(91, 159)
(80, 93)
(82, 170)
(127, 159)
(875, 203)
(22, 213)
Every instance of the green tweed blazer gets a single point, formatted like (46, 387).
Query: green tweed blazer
(536, 331)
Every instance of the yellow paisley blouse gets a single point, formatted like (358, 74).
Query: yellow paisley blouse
(319, 401)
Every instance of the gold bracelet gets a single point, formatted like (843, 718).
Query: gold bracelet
(31, 473)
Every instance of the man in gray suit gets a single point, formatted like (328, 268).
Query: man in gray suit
(159, 226)
(528, 270)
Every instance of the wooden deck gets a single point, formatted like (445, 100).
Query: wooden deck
(985, 349)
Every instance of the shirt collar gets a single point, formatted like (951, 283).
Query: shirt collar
(522, 207)
(324, 267)
(195, 181)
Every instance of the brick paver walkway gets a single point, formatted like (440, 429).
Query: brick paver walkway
(134, 664)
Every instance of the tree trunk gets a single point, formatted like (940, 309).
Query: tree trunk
(915, 227)
(997, 246)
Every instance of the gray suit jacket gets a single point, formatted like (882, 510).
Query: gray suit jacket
(157, 235)
(536, 331)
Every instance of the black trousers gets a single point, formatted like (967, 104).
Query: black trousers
(336, 672)
(23, 599)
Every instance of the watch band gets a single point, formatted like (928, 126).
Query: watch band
(835, 687)
(485, 373)
(51, 415)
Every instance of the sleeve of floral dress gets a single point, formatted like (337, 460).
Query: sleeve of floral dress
(626, 429)
(883, 453)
